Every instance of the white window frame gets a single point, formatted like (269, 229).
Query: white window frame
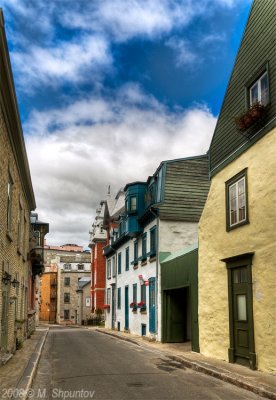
(108, 268)
(258, 83)
(236, 184)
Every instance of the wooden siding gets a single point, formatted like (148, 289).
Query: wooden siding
(185, 189)
(257, 48)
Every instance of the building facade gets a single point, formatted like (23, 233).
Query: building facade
(71, 269)
(98, 240)
(237, 236)
(18, 269)
(159, 216)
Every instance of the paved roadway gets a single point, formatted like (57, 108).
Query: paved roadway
(80, 363)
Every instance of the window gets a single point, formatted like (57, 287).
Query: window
(66, 281)
(258, 92)
(236, 201)
(19, 223)
(119, 298)
(113, 266)
(133, 203)
(153, 241)
(9, 204)
(127, 258)
(119, 263)
(66, 314)
(134, 296)
(143, 294)
(67, 267)
(108, 296)
(66, 297)
(80, 267)
(135, 252)
(144, 247)
(159, 179)
(108, 272)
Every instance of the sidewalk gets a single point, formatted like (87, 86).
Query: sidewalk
(257, 382)
(17, 375)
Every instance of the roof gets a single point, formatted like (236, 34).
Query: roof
(180, 253)
(185, 189)
(256, 54)
(83, 281)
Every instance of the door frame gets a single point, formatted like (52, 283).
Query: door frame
(242, 260)
(152, 308)
(126, 307)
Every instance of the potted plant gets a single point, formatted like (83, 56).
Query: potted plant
(249, 117)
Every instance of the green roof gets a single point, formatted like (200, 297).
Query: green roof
(186, 186)
(180, 253)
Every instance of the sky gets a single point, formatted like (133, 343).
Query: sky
(107, 89)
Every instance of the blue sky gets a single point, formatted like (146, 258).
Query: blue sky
(107, 89)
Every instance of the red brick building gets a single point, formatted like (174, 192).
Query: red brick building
(98, 240)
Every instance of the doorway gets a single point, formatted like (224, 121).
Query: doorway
(126, 308)
(178, 315)
(241, 325)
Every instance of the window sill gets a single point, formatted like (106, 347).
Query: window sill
(143, 263)
(231, 228)
(135, 266)
(9, 236)
(152, 259)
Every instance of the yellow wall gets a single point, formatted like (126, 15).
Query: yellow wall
(258, 236)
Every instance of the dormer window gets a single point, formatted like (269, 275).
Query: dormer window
(258, 92)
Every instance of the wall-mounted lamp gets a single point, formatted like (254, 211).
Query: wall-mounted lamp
(6, 278)
(15, 283)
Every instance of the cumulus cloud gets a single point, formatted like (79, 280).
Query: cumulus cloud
(65, 61)
(184, 55)
(75, 153)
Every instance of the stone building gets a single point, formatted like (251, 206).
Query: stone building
(17, 269)
(237, 235)
(84, 300)
(71, 269)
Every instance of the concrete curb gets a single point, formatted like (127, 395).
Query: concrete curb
(118, 336)
(25, 382)
(210, 370)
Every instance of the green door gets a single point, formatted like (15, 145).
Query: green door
(241, 320)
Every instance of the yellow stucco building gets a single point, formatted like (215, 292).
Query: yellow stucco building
(237, 231)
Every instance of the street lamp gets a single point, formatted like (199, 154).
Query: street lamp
(6, 278)
(15, 283)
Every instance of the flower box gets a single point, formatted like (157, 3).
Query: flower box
(248, 118)
(133, 304)
(142, 306)
(106, 306)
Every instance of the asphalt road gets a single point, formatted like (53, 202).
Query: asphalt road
(79, 363)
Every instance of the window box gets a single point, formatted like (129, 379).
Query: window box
(134, 306)
(106, 307)
(250, 117)
(142, 306)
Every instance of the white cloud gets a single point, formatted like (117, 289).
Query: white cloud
(183, 52)
(66, 61)
(74, 164)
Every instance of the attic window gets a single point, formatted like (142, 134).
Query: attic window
(258, 92)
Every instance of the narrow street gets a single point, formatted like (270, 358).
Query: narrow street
(87, 364)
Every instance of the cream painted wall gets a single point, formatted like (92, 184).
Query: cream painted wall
(258, 236)
(174, 235)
